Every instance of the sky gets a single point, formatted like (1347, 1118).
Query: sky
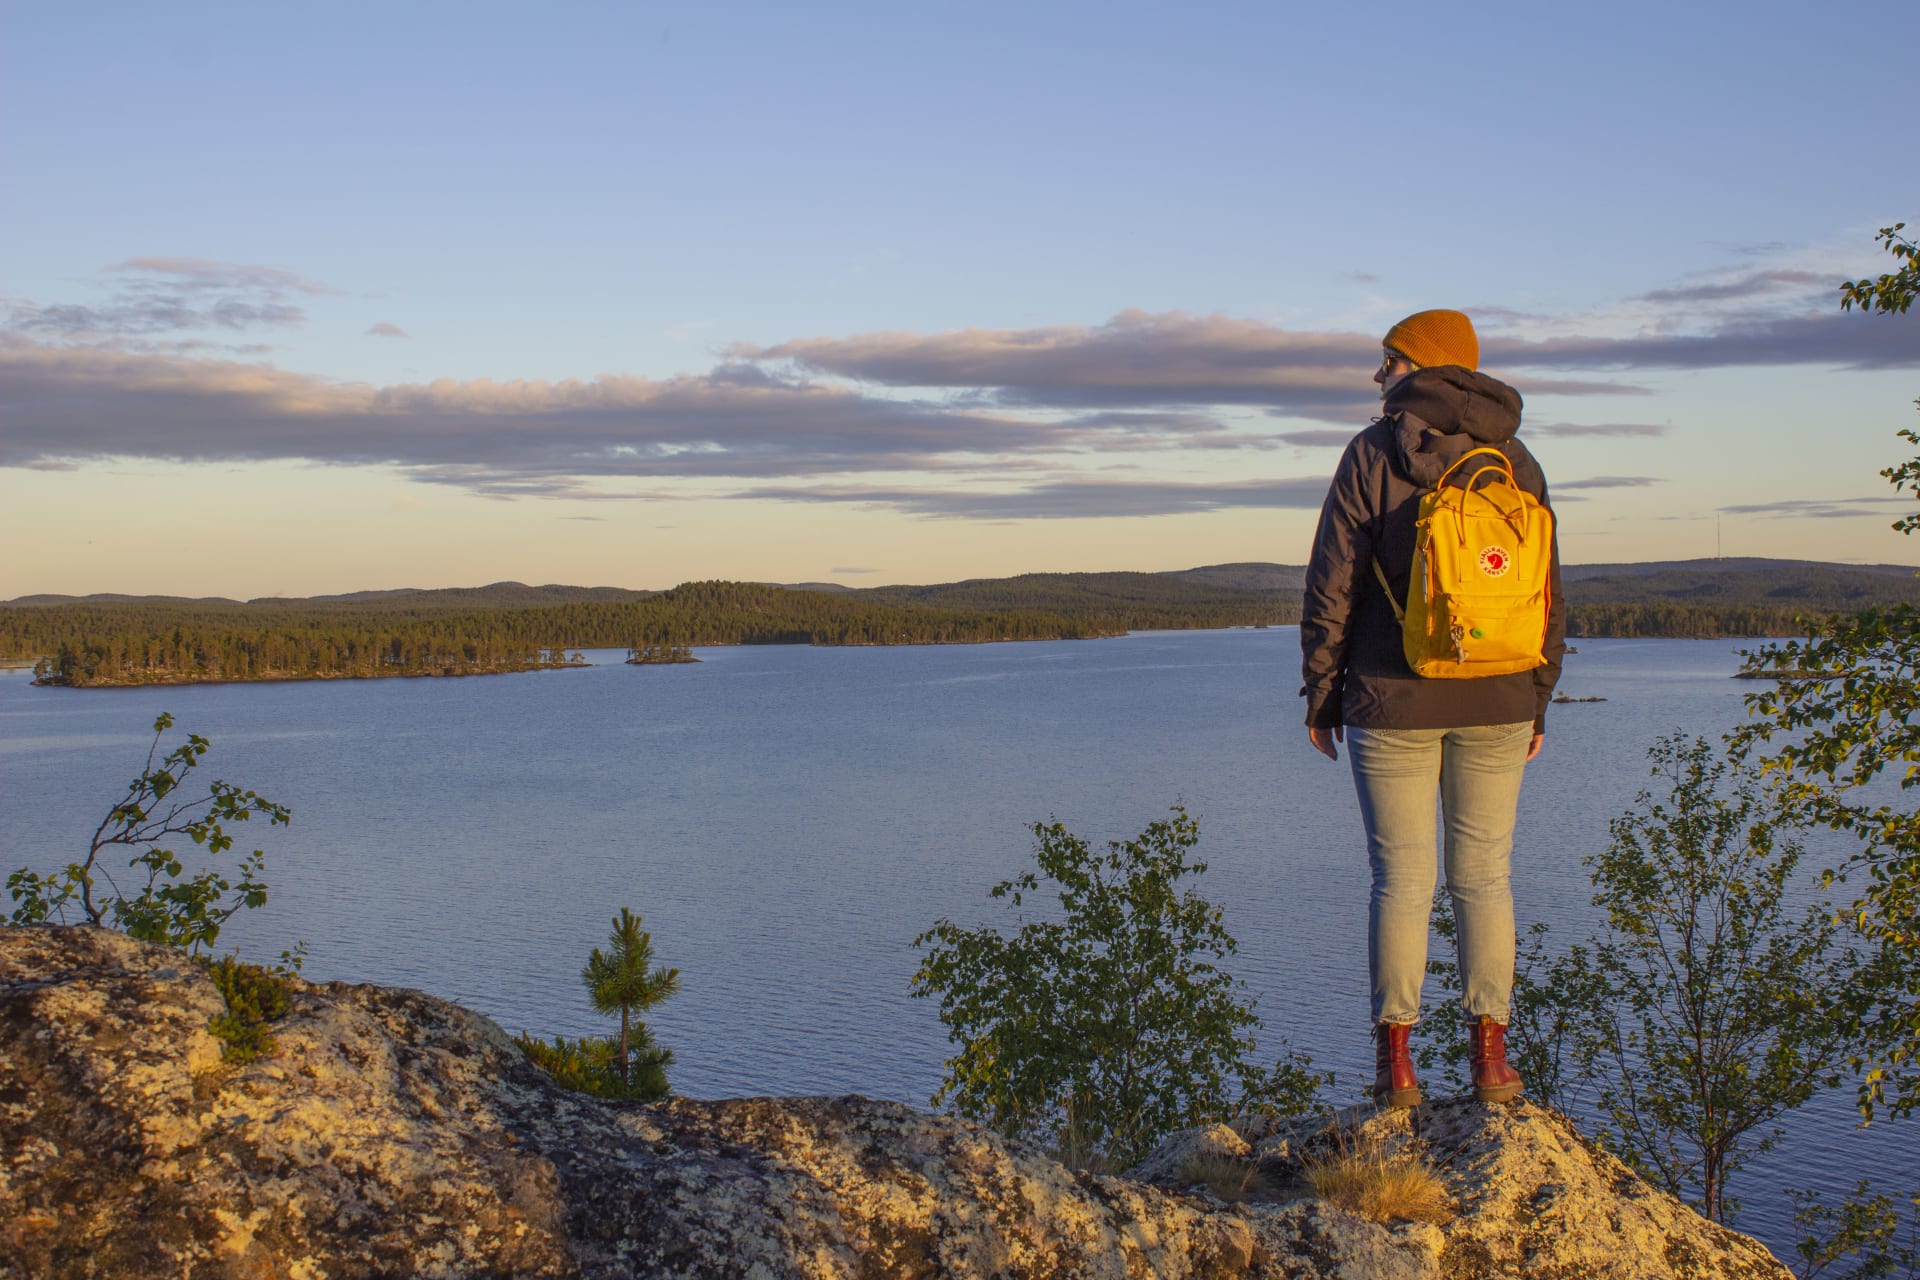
(300, 300)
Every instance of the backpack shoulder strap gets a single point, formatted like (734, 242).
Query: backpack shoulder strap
(1399, 612)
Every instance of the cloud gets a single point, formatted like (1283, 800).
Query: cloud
(1135, 429)
(1140, 360)
(1134, 360)
(155, 296)
(207, 274)
(1317, 439)
(1137, 359)
(1845, 340)
(144, 315)
(1819, 508)
(1186, 424)
(1783, 312)
(1069, 499)
(1609, 482)
(1362, 277)
(1528, 386)
(131, 377)
(66, 403)
(1751, 284)
(1567, 430)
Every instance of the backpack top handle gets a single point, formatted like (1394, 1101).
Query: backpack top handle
(1502, 465)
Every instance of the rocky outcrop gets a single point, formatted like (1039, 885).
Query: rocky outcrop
(1530, 1196)
(394, 1134)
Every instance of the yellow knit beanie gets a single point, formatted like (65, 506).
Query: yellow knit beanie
(1436, 337)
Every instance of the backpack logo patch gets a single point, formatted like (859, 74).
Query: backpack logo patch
(1495, 561)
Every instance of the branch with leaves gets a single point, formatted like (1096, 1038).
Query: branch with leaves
(1715, 1000)
(169, 907)
(1835, 736)
(1892, 292)
(1112, 1024)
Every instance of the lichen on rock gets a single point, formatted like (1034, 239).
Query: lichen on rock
(390, 1133)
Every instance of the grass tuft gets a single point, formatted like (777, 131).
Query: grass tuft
(1082, 1156)
(1379, 1186)
(1232, 1178)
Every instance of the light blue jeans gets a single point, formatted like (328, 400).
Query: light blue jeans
(1474, 774)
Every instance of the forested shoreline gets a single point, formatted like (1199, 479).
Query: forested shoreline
(494, 630)
(1660, 620)
(145, 643)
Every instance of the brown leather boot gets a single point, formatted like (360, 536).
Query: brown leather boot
(1494, 1079)
(1394, 1084)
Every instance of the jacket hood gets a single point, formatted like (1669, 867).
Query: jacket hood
(1442, 412)
(1454, 400)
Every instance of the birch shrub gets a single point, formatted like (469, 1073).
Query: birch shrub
(1108, 1024)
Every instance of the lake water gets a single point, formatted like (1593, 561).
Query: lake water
(787, 819)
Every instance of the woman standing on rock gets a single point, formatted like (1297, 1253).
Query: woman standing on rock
(1412, 741)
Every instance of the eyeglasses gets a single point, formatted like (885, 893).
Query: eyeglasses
(1387, 363)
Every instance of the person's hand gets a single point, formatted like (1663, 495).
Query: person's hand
(1323, 740)
(1533, 748)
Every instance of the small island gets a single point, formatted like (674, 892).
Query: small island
(1561, 697)
(654, 655)
(63, 672)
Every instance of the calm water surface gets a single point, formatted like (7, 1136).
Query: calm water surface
(787, 819)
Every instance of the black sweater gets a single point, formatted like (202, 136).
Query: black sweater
(1352, 658)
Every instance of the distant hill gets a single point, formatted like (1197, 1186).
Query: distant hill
(1247, 576)
(1748, 581)
(1780, 589)
(497, 595)
(1073, 593)
(1726, 564)
(108, 597)
(1794, 584)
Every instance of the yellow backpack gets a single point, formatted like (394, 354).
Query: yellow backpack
(1477, 601)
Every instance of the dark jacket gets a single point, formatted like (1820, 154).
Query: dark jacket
(1355, 668)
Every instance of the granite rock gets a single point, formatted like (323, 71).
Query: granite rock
(390, 1133)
